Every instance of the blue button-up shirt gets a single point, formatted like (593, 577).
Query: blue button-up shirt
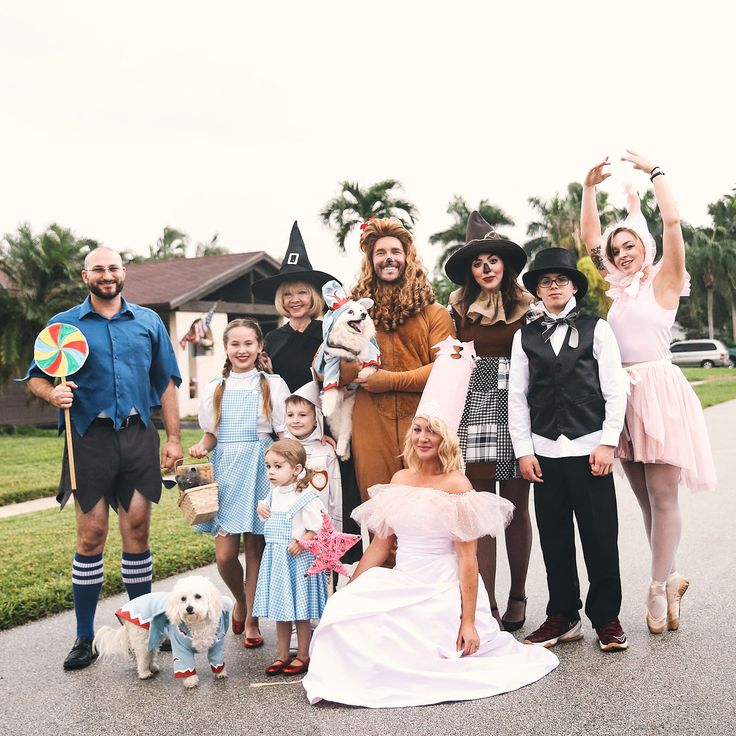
(130, 364)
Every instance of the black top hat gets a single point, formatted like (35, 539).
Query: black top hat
(480, 237)
(294, 267)
(555, 260)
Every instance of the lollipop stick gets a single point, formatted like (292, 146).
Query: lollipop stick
(69, 447)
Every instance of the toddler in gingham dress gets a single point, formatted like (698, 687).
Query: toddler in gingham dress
(285, 593)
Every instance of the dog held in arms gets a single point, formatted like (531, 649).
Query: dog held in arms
(194, 615)
(348, 333)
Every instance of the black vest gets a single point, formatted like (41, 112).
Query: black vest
(564, 392)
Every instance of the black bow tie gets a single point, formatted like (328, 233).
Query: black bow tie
(550, 325)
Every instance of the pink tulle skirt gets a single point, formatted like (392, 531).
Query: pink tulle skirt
(665, 424)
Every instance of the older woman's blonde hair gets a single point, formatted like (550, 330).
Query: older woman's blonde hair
(449, 454)
(316, 309)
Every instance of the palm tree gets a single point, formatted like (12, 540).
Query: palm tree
(723, 213)
(354, 206)
(704, 259)
(557, 223)
(172, 244)
(454, 237)
(41, 276)
(211, 248)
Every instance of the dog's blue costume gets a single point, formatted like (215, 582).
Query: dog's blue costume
(148, 612)
(328, 365)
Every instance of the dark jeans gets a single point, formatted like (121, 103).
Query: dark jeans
(570, 488)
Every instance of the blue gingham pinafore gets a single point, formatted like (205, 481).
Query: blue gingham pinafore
(240, 466)
(285, 592)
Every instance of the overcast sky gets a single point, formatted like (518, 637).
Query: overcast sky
(237, 118)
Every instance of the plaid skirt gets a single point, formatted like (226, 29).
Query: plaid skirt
(484, 427)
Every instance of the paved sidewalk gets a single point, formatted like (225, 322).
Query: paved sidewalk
(678, 683)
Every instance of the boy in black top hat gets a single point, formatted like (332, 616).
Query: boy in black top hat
(566, 404)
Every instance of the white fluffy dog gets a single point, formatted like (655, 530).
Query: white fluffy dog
(348, 333)
(194, 615)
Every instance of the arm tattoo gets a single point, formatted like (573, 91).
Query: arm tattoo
(595, 256)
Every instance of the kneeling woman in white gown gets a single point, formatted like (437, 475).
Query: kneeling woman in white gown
(423, 631)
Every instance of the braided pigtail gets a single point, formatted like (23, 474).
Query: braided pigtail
(266, 397)
(219, 391)
(304, 482)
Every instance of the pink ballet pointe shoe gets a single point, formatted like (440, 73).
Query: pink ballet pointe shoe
(656, 599)
(676, 587)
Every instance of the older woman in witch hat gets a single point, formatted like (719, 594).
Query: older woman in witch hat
(489, 308)
(296, 292)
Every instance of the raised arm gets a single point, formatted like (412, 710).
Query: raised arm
(671, 278)
(590, 221)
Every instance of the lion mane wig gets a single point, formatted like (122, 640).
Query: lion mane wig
(393, 304)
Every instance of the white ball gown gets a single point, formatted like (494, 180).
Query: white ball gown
(387, 640)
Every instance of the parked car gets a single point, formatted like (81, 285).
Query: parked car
(705, 353)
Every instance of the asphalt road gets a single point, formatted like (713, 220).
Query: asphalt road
(678, 683)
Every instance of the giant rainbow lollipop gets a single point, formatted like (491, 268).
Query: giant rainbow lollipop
(59, 351)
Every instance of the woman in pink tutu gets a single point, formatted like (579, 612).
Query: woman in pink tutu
(664, 441)
(422, 632)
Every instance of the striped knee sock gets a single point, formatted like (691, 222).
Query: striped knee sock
(137, 572)
(87, 576)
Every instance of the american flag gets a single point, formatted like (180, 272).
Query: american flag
(198, 330)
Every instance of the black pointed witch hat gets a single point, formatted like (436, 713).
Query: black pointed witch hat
(294, 267)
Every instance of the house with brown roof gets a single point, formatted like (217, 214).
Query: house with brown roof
(183, 290)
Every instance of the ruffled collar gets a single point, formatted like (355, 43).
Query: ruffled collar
(284, 489)
(488, 308)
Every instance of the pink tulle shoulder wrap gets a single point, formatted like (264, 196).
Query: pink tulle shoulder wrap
(461, 516)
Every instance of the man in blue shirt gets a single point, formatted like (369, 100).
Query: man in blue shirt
(131, 370)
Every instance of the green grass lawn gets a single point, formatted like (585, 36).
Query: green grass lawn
(37, 549)
(32, 462)
(719, 384)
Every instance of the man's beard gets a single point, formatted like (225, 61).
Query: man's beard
(106, 295)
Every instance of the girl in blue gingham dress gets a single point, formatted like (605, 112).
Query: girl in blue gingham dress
(285, 592)
(239, 413)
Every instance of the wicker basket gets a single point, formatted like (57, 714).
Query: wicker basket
(205, 470)
(199, 504)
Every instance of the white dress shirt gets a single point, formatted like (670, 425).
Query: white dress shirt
(247, 381)
(307, 519)
(610, 375)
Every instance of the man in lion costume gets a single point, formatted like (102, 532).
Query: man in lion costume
(408, 323)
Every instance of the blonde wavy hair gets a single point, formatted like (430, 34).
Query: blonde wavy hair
(251, 324)
(316, 308)
(393, 305)
(449, 454)
(294, 454)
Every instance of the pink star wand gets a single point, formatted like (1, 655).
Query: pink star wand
(328, 547)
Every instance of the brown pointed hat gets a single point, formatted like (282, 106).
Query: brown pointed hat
(295, 267)
(480, 237)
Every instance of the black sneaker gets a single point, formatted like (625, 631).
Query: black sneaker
(81, 654)
(611, 637)
(555, 629)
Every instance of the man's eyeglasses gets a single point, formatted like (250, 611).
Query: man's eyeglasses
(546, 282)
(101, 269)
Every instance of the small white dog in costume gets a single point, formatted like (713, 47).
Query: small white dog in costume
(195, 616)
(347, 332)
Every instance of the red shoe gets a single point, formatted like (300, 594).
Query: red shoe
(238, 626)
(299, 669)
(253, 642)
(277, 667)
(556, 628)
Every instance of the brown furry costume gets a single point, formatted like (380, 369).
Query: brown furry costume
(408, 324)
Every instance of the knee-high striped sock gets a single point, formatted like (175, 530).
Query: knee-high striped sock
(87, 576)
(137, 572)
